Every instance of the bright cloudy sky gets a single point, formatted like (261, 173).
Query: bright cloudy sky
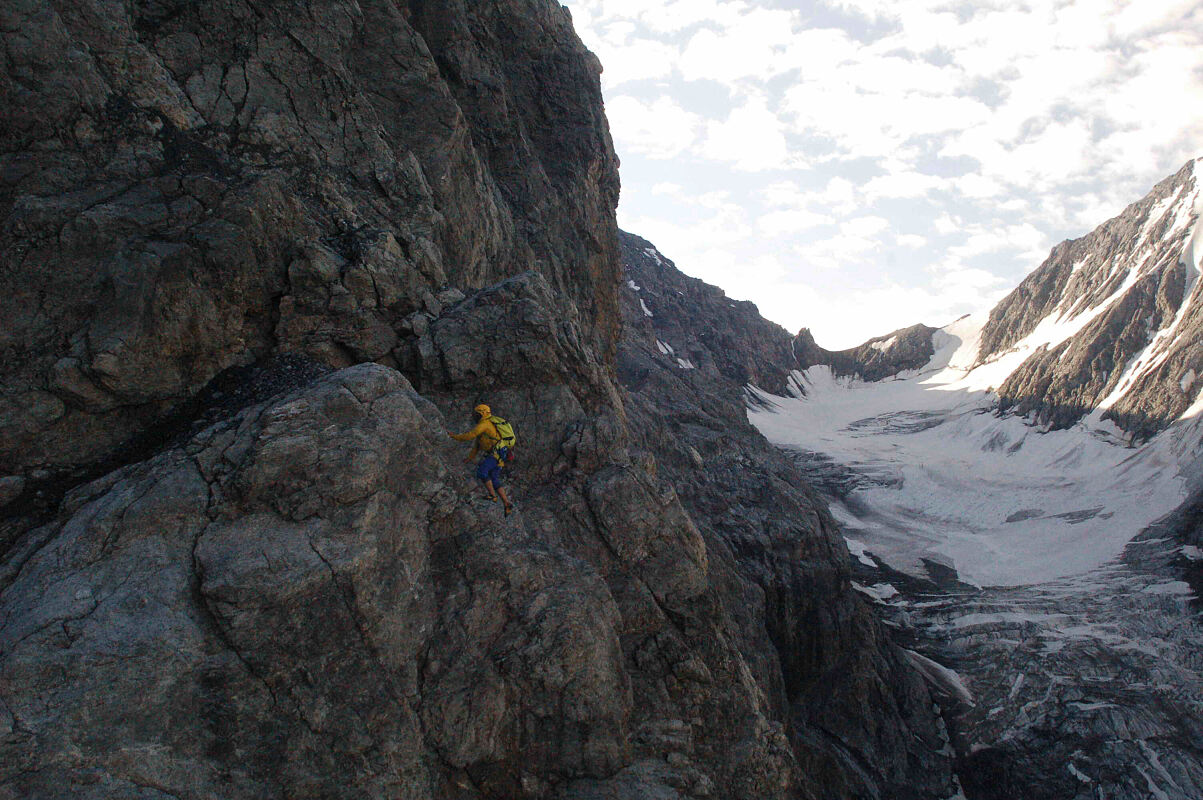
(856, 166)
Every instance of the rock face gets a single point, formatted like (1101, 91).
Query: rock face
(299, 603)
(686, 354)
(305, 600)
(191, 187)
(259, 261)
(1127, 301)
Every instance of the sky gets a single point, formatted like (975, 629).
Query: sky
(858, 166)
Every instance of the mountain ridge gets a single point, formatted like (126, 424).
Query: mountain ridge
(1105, 329)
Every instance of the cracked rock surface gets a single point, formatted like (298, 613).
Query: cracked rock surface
(297, 602)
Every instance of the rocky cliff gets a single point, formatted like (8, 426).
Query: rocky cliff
(258, 260)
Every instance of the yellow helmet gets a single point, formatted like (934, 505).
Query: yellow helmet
(483, 410)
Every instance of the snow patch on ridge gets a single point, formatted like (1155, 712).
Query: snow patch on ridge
(885, 345)
(858, 552)
(941, 676)
(878, 592)
(1077, 773)
(1195, 410)
(1051, 331)
(1164, 341)
(1192, 255)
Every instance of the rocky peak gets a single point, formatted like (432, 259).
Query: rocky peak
(1112, 321)
(695, 325)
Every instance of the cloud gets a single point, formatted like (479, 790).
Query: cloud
(838, 196)
(867, 123)
(965, 290)
(843, 252)
(946, 224)
(659, 129)
(902, 184)
(888, 161)
(638, 59)
(977, 187)
(748, 46)
(796, 220)
(865, 226)
(687, 226)
(678, 15)
(751, 138)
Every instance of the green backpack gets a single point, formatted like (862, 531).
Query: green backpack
(506, 431)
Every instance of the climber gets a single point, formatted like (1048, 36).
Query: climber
(494, 437)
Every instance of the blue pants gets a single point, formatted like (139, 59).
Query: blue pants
(489, 469)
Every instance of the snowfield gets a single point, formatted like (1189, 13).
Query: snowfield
(939, 478)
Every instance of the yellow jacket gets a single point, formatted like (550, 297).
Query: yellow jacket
(485, 434)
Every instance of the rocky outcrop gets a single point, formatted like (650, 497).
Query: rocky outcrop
(302, 602)
(306, 599)
(878, 358)
(1118, 317)
(193, 187)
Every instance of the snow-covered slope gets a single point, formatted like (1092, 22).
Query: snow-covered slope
(1093, 354)
(930, 475)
